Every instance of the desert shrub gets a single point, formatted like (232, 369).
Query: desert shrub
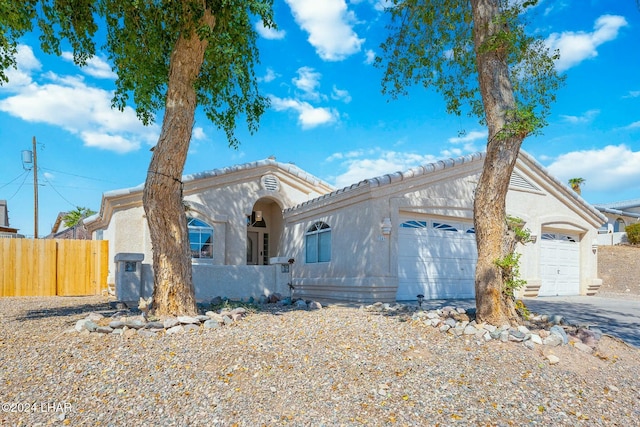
(633, 233)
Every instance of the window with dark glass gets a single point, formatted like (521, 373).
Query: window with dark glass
(200, 239)
(318, 243)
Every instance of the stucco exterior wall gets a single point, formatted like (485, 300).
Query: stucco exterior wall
(364, 262)
(547, 209)
(127, 232)
(223, 200)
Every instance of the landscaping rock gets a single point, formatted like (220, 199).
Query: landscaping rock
(553, 359)
(135, 324)
(170, 322)
(315, 305)
(86, 324)
(553, 340)
(186, 320)
(175, 329)
(559, 331)
(583, 347)
(211, 324)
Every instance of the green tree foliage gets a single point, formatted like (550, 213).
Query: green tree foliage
(167, 54)
(431, 44)
(633, 233)
(576, 184)
(479, 56)
(73, 217)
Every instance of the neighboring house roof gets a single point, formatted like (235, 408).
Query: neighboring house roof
(441, 165)
(9, 230)
(4, 214)
(59, 222)
(133, 194)
(620, 208)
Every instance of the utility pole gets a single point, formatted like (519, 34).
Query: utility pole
(35, 190)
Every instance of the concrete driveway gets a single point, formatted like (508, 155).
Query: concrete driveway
(613, 316)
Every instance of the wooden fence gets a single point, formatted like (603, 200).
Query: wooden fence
(46, 267)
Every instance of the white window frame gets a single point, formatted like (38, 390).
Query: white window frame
(318, 243)
(202, 228)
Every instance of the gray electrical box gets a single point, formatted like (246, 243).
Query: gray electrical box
(128, 276)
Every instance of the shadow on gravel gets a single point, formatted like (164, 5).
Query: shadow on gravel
(65, 311)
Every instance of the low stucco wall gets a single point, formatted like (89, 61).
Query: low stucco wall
(239, 281)
(352, 289)
(230, 281)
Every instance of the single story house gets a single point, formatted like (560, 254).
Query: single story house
(6, 231)
(382, 239)
(61, 231)
(618, 216)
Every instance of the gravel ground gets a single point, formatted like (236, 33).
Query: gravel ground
(335, 366)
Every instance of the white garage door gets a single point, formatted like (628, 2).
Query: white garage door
(436, 258)
(559, 264)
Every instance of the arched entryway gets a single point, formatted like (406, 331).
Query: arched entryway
(264, 228)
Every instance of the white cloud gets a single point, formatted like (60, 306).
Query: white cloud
(95, 67)
(308, 81)
(587, 117)
(370, 163)
(576, 47)
(329, 25)
(632, 94)
(381, 5)
(105, 141)
(269, 76)
(26, 64)
(69, 103)
(472, 136)
(308, 115)
(269, 33)
(340, 95)
(634, 125)
(365, 164)
(612, 168)
(198, 134)
(370, 56)
(468, 143)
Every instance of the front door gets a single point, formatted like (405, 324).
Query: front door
(252, 247)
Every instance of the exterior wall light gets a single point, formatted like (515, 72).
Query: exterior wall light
(594, 245)
(533, 238)
(386, 226)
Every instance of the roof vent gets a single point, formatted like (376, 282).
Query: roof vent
(270, 183)
(518, 181)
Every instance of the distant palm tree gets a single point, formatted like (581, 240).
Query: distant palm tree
(575, 184)
(73, 217)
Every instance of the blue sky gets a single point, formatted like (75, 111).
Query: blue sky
(328, 115)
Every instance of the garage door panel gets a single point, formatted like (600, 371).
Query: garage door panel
(559, 265)
(436, 263)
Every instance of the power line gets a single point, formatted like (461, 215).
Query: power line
(78, 176)
(20, 187)
(14, 179)
(57, 192)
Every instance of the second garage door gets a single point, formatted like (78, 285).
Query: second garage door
(436, 258)
(559, 264)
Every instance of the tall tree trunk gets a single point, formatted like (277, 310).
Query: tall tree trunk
(493, 306)
(174, 293)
